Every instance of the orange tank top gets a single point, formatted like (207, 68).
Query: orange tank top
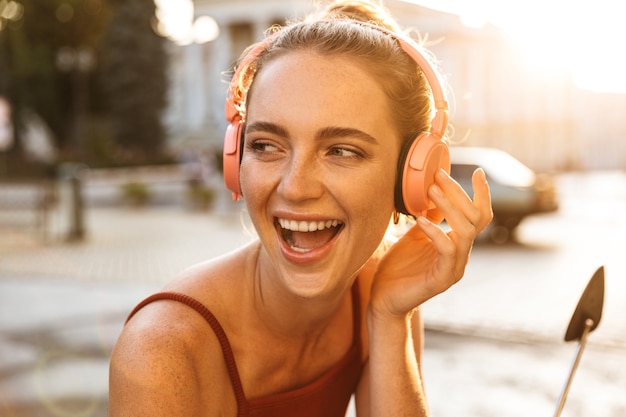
(327, 396)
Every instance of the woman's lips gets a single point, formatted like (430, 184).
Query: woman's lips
(307, 241)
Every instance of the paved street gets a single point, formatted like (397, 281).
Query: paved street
(527, 289)
(493, 347)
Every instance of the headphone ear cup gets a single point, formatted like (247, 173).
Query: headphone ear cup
(427, 155)
(232, 158)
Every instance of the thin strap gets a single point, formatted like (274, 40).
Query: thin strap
(242, 403)
(231, 365)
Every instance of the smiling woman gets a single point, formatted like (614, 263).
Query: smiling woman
(329, 119)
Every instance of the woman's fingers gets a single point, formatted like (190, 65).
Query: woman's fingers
(451, 258)
(465, 216)
(427, 260)
(457, 208)
(482, 198)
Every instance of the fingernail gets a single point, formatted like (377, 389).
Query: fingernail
(423, 220)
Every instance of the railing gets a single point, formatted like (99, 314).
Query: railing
(36, 197)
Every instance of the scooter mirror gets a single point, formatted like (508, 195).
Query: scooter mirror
(589, 307)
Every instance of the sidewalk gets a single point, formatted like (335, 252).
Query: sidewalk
(62, 306)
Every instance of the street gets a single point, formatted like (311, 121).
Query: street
(527, 289)
(493, 343)
(522, 294)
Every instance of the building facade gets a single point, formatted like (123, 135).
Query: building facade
(497, 99)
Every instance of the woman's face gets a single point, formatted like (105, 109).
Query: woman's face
(318, 169)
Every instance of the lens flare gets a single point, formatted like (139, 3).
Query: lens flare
(53, 382)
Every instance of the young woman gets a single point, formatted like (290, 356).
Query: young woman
(321, 306)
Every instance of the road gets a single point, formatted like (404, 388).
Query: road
(522, 294)
(527, 289)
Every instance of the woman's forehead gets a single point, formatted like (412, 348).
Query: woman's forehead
(308, 90)
(312, 79)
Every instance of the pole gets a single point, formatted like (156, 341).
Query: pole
(579, 353)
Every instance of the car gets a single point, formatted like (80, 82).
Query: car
(516, 190)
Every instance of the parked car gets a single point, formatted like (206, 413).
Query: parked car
(516, 190)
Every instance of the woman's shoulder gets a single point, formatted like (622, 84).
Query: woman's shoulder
(167, 340)
(216, 281)
(211, 284)
(161, 361)
(166, 323)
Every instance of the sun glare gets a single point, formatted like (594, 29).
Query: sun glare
(176, 22)
(574, 37)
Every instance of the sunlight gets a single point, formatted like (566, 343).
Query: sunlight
(175, 19)
(176, 22)
(571, 37)
(205, 29)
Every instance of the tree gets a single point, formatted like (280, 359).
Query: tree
(105, 110)
(32, 75)
(133, 78)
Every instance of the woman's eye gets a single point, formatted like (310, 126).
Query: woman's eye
(345, 152)
(260, 147)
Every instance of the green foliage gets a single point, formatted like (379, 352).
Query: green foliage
(136, 194)
(29, 51)
(201, 196)
(123, 93)
(134, 80)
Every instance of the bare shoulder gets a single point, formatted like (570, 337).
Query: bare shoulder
(167, 360)
(218, 283)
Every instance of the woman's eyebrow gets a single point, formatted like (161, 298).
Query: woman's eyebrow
(266, 127)
(324, 133)
(343, 132)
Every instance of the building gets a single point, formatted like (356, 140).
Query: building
(497, 98)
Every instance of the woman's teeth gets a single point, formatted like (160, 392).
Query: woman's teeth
(304, 226)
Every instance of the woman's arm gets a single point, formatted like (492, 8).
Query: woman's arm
(423, 263)
(166, 364)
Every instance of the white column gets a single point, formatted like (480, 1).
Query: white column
(195, 100)
(220, 65)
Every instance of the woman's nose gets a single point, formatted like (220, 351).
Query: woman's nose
(301, 180)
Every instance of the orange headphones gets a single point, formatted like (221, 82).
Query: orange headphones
(427, 154)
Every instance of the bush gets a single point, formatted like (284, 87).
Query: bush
(201, 196)
(136, 194)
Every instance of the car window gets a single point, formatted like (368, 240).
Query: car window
(505, 169)
(462, 172)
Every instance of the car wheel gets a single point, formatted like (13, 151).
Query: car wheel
(502, 229)
(499, 234)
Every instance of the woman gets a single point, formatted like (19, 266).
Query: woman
(321, 306)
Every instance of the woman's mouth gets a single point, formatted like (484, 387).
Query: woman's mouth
(306, 236)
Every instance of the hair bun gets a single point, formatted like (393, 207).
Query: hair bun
(363, 11)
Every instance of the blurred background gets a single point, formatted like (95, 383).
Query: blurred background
(111, 129)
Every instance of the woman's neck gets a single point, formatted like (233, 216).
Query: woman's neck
(290, 315)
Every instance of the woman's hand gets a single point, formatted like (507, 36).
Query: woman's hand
(427, 261)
